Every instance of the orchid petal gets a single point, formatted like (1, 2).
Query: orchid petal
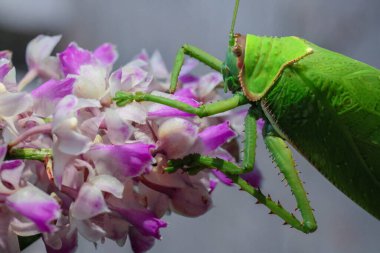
(89, 203)
(14, 103)
(35, 205)
(213, 137)
(118, 130)
(128, 159)
(40, 48)
(139, 242)
(110, 184)
(144, 221)
(11, 172)
(90, 82)
(73, 57)
(90, 230)
(106, 54)
(208, 83)
(158, 66)
(174, 131)
(48, 95)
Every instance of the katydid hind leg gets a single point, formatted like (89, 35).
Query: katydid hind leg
(250, 130)
(282, 156)
(195, 162)
(195, 53)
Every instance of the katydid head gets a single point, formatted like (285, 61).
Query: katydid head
(234, 62)
(234, 57)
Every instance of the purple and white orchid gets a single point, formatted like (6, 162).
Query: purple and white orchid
(91, 168)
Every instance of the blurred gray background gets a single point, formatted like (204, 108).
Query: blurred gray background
(235, 224)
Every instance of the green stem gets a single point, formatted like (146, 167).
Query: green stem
(29, 154)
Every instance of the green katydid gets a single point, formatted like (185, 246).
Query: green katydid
(326, 105)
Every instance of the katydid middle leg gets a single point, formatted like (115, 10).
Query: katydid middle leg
(283, 159)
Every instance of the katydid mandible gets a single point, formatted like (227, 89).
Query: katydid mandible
(324, 104)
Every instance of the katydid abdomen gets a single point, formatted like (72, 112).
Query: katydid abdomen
(327, 106)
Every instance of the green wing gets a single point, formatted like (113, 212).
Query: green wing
(328, 107)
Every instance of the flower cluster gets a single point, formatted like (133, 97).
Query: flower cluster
(72, 162)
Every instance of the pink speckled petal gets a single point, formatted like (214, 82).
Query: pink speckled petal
(89, 203)
(118, 130)
(47, 95)
(106, 54)
(35, 205)
(144, 221)
(129, 160)
(213, 137)
(73, 57)
(11, 172)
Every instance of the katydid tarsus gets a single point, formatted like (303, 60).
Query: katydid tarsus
(326, 105)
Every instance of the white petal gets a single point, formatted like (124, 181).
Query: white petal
(14, 103)
(108, 184)
(89, 203)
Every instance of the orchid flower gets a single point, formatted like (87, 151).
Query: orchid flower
(73, 163)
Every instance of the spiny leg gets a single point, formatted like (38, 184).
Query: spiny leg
(238, 99)
(196, 53)
(195, 162)
(283, 158)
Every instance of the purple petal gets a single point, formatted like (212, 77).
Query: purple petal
(128, 159)
(140, 243)
(73, 57)
(47, 95)
(3, 152)
(185, 92)
(188, 78)
(213, 184)
(6, 54)
(35, 205)
(11, 172)
(144, 221)
(215, 136)
(4, 69)
(260, 124)
(106, 54)
(143, 55)
(222, 177)
(89, 203)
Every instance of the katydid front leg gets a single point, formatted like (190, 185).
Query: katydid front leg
(195, 53)
(238, 99)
